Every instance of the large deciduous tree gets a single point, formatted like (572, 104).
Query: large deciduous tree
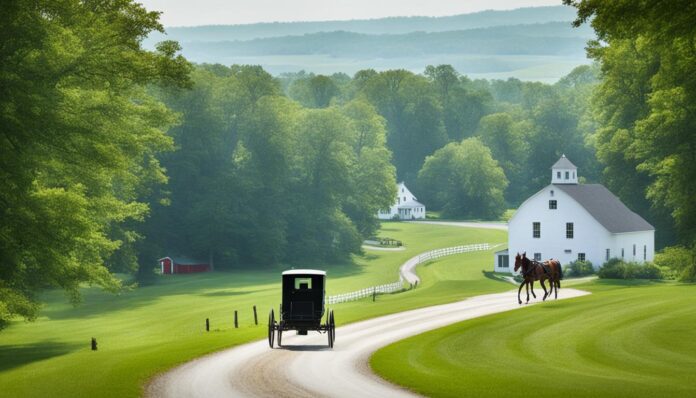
(79, 139)
(464, 180)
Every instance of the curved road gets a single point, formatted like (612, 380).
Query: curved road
(305, 367)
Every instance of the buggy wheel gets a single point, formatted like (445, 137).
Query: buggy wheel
(332, 329)
(271, 328)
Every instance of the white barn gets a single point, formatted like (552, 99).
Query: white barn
(405, 207)
(569, 221)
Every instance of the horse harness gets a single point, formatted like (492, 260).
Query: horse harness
(536, 264)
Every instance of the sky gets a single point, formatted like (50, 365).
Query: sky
(227, 12)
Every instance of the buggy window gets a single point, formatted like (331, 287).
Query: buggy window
(303, 283)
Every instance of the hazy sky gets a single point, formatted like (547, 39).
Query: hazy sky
(209, 12)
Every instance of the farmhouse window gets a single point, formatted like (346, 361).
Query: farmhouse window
(569, 230)
(537, 256)
(503, 261)
(581, 256)
(558, 174)
(645, 252)
(567, 175)
(608, 254)
(553, 204)
(536, 230)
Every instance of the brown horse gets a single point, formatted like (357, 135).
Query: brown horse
(533, 270)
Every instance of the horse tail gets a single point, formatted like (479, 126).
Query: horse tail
(560, 274)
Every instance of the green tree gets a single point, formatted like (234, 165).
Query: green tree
(79, 142)
(464, 181)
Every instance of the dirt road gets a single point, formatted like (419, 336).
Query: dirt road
(305, 367)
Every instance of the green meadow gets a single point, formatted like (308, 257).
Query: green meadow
(149, 329)
(627, 339)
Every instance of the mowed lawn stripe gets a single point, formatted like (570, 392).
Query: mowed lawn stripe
(624, 340)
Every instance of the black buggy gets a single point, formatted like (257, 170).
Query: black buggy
(303, 306)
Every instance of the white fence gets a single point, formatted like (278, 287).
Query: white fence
(357, 295)
(433, 254)
(397, 286)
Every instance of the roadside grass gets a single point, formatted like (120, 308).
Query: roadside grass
(151, 329)
(627, 339)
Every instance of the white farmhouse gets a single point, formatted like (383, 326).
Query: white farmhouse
(405, 207)
(570, 221)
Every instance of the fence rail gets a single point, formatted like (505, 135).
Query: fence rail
(397, 286)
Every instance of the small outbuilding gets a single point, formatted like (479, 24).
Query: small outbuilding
(182, 265)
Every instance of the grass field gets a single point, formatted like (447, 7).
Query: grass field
(150, 329)
(627, 339)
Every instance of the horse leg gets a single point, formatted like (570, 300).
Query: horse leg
(558, 285)
(543, 287)
(519, 300)
(532, 285)
(528, 291)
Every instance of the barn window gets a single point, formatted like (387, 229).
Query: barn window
(567, 175)
(536, 230)
(537, 256)
(645, 252)
(503, 261)
(581, 256)
(569, 230)
(553, 204)
(558, 175)
(608, 254)
(303, 283)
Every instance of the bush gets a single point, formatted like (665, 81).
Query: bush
(681, 260)
(579, 268)
(618, 269)
(612, 269)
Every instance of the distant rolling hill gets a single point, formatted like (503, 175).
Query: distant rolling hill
(528, 43)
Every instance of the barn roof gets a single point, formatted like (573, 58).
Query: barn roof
(184, 260)
(563, 163)
(606, 208)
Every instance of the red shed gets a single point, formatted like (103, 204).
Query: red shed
(179, 265)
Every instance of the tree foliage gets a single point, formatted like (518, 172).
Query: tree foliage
(79, 142)
(464, 181)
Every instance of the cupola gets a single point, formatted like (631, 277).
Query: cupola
(564, 172)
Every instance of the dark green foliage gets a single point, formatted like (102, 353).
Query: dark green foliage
(579, 268)
(618, 269)
(79, 143)
(464, 181)
(680, 259)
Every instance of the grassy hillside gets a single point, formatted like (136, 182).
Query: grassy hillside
(625, 340)
(151, 329)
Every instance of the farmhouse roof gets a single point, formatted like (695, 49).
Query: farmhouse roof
(410, 204)
(563, 163)
(606, 208)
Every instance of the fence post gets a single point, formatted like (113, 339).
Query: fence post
(256, 319)
(207, 324)
(236, 325)
(374, 295)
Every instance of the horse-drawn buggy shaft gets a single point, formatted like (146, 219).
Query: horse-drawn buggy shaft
(302, 308)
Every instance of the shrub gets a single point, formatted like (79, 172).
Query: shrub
(681, 260)
(579, 268)
(612, 269)
(618, 269)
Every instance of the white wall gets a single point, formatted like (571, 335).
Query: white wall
(626, 241)
(589, 236)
